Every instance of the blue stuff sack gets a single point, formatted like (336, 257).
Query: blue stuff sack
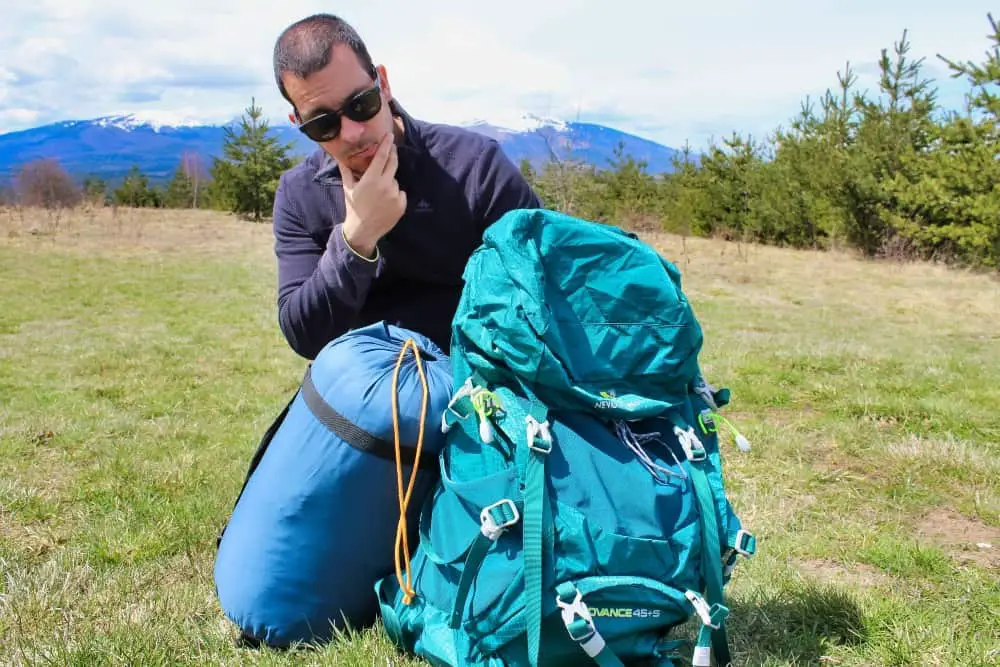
(317, 522)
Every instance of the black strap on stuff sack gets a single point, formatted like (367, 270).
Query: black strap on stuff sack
(354, 435)
(337, 424)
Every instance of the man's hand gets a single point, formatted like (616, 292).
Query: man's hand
(374, 202)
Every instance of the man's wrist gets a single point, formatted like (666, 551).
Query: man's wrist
(366, 250)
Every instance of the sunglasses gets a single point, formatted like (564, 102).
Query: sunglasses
(360, 108)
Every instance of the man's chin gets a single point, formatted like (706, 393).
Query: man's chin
(359, 166)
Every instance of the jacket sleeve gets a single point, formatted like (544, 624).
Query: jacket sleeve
(320, 288)
(499, 186)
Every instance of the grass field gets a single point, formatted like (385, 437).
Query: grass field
(140, 361)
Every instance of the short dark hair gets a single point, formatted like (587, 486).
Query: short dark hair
(305, 47)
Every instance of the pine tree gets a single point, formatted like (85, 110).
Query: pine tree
(95, 189)
(950, 206)
(135, 191)
(629, 192)
(253, 161)
(985, 76)
(179, 192)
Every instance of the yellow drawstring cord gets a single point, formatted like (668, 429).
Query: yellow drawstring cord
(402, 539)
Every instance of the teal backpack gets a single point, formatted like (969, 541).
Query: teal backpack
(581, 514)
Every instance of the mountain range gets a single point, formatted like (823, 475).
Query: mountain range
(109, 147)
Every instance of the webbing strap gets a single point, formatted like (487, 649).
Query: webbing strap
(667, 652)
(708, 637)
(591, 641)
(529, 431)
(580, 626)
(711, 560)
(353, 434)
(534, 518)
(509, 513)
(607, 658)
(477, 553)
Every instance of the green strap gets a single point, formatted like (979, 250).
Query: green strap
(669, 652)
(501, 515)
(708, 637)
(528, 430)
(472, 563)
(607, 658)
(720, 645)
(710, 553)
(580, 626)
(710, 560)
(534, 516)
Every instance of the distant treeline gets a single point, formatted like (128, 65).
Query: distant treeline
(890, 175)
(243, 180)
(44, 183)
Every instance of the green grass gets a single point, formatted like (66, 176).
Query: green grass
(140, 361)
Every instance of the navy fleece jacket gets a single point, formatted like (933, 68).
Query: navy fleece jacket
(457, 182)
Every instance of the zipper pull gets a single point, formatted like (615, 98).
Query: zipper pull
(707, 419)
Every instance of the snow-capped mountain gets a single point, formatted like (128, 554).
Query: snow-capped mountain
(540, 140)
(108, 147)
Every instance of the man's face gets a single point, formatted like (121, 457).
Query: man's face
(331, 89)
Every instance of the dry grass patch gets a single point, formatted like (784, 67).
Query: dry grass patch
(32, 541)
(130, 231)
(828, 571)
(837, 287)
(966, 540)
(945, 451)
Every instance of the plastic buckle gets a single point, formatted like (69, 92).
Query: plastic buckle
(707, 422)
(536, 429)
(571, 610)
(490, 528)
(692, 446)
(463, 391)
(702, 609)
(706, 392)
(743, 537)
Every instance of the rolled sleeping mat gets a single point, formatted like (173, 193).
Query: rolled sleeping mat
(315, 524)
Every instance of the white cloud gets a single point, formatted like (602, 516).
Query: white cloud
(17, 116)
(668, 71)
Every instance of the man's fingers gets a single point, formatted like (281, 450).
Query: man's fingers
(346, 174)
(392, 163)
(381, 155)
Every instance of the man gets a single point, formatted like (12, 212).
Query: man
(379, 222)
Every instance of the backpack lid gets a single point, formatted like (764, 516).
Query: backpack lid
(579, 314)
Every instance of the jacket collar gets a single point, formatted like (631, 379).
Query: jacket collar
(409, 150)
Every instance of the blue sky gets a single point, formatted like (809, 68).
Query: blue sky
(671, 72)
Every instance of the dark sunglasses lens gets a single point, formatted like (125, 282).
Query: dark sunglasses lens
(323, 128)
(364, 106)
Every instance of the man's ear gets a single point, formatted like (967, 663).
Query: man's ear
(384, 78)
